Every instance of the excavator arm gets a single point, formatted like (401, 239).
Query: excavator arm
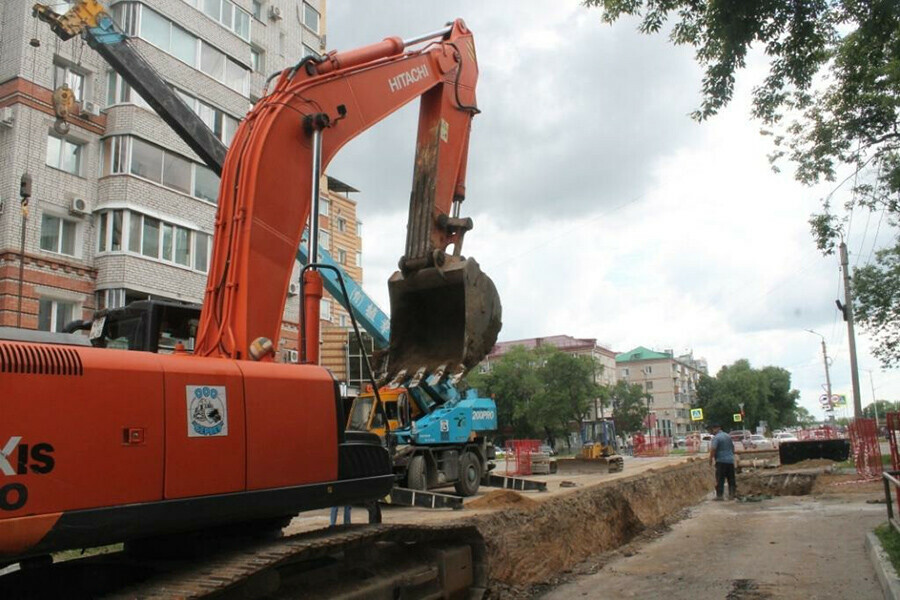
(270, 184)
(445, 311)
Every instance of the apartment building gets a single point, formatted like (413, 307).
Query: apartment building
(604, 358)
(121, 208)
(671, 381)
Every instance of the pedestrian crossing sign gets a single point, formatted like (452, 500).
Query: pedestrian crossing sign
(738, 417)
(696, 414)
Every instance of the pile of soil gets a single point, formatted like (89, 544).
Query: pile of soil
(525, 547)
(829, 484)
(502, 499)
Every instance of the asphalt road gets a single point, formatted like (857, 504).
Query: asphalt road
(787, 547)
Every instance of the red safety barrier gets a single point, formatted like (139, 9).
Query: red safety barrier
(825, 432)
(865, 448)
(518, 456)
(651, 445)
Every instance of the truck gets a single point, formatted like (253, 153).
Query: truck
(439, 436)
(109, 445)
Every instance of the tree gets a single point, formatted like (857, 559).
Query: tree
(539, 392)
(765, 395)
(877, 304)
(835, 65)
(630, 404)
(513, 383)
(803, 418)
(884, 407)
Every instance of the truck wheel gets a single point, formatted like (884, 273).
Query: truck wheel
(469, 475)
(416, 473)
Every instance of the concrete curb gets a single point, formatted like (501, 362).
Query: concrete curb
(887, 576)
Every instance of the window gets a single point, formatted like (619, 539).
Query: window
(221, 123)
(176, 172)
(227, 14)
(359, 259)
(257, 60)
(341, 224)
(257, 10)
(206, 184)
(65, 75)
(114, 155)
(649, 385)
(160, 166)
(201, 251)
(150, 239)
(626, 372)
(324, 206)
(311, 17)
(63, 154)
(154, 238)
(54, 314)
(112, 298)
(343, 321)
(359, 229)
(110, 234)
(146, 160)
(58, 235)
(648, 369)
(324, 240)
(119, 92)
(325, 309)
(183, 45)
(307, 51)
(342, 256)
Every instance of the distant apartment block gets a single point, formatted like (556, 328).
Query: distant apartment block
(671, 381)
(604, 358)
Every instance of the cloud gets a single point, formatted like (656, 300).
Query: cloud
(601, 210)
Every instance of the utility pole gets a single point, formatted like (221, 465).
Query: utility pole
(851, 335)
(827, 374)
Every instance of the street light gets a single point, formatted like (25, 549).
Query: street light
(827, 375)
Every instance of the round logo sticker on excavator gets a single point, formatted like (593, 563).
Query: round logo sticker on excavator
(207, 411)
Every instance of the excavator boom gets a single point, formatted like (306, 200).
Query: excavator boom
(268, 190)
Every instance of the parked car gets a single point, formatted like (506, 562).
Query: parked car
(680, 442)
(759, 442)
(705, 438)
(785, 437)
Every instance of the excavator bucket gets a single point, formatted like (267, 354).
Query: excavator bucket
(442, 317)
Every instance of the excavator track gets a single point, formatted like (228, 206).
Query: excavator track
(346, 562)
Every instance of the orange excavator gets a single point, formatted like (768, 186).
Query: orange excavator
(102, 446)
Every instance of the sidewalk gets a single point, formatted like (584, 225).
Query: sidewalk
(787, 547)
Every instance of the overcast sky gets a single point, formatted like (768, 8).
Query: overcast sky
(601, 209)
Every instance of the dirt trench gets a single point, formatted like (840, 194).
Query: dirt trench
(530, 543)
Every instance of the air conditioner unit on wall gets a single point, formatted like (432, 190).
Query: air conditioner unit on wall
(79, 206)
(275, 13)
(6, 116)
(293, 288)
(89, 109)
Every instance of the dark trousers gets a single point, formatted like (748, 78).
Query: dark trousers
(723, 471)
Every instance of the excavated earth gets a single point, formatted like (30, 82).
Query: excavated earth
(530, 542)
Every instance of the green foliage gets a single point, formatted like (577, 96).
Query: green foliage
(890, 541)
(850, 118)
(766, 395)
(539, 392)
(877, 304)
(884, 406)
(630, 403)
(803, 418)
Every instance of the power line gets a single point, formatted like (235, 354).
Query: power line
(877, 230)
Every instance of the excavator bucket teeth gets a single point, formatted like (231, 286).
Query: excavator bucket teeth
(446, 316)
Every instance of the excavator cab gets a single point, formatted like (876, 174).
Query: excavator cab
(442, 318)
